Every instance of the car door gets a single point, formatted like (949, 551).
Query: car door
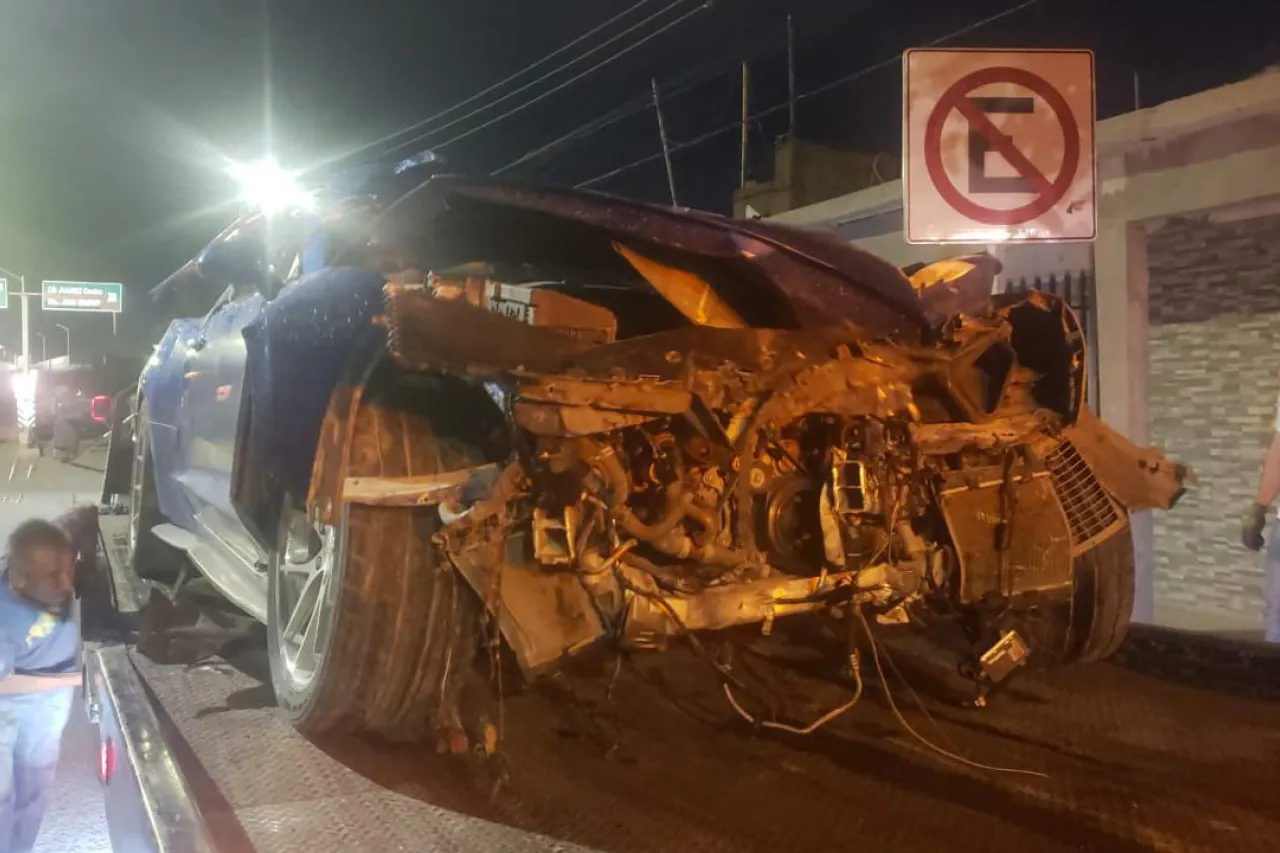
(212, 392)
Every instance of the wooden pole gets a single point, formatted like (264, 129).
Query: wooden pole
(666, 145)
(742, 177)
(791, 79)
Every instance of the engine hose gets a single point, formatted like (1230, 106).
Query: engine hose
(678, 501)
(708, 520)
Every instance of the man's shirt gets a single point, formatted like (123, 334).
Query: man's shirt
(34, 641)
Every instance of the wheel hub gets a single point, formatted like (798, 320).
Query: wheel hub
(303, 611)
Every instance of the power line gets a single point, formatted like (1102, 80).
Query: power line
(504, 81)
(840, 81)
(566, 83)
(553, 72)
(682, 84)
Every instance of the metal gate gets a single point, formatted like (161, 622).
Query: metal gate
(1077, 290)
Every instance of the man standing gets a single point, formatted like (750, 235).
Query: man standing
(39, 671)
(1268, 491)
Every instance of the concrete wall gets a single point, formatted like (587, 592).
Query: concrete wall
(1213, 379)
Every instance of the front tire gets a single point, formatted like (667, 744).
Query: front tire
(367, 620)
(1102, 605)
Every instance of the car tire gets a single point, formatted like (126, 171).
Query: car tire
(149, 557)
(391, 616)
(1102, 604)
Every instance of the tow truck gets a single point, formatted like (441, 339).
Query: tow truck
(195, 756)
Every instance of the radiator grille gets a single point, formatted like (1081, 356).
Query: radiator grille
(1091, 513)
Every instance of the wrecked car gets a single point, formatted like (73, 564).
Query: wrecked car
(570, 420)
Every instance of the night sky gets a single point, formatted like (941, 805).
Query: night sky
(117, 113)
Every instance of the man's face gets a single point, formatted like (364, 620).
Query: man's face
(44, 574)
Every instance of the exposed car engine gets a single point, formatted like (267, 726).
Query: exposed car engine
(573, 422)
(809, 473)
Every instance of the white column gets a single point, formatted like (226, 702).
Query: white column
(1120, 265)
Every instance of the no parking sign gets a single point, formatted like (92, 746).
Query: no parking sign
(998, 146)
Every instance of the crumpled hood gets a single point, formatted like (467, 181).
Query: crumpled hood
(826, 280)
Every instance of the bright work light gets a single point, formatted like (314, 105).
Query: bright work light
(269, 187)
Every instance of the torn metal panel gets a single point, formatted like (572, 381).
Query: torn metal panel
(650, 611)
(637, 395)
(691, 295)
(553, 420)
(427, 333)
(422, 490)
(943, 438)
(845, 385)
(1139, 477)
(561, 405)
(956, 285)
(543, 615)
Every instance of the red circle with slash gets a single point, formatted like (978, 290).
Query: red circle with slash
(1048, 193)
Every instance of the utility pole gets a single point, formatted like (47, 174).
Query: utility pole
(666, 146)
(791, 79)
(68, 331)
(742, 177)
(44, 348)
(26, 407)
(26, 316)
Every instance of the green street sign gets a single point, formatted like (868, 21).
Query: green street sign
(4, 293)
(95, 296)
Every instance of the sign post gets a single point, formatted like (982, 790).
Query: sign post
(24, 377)
(998, 146)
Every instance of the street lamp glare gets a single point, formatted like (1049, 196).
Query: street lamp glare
(265, 184)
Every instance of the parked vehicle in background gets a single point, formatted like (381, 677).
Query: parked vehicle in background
(80, 397)
(592, 421)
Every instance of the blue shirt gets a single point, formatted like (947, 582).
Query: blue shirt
(34, 641)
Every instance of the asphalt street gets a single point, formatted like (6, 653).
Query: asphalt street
(35, 486)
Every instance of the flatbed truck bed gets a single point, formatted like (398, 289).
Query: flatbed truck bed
(1173, 747)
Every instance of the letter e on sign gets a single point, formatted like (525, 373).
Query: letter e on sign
(998, 146)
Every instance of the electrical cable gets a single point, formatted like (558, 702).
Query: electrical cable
(504, 81)
(893, 705)
(674, 88)
(553, 72)
(559, 87)
(855, 665)
(848, 78)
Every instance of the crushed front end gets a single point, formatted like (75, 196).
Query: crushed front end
(712, 471)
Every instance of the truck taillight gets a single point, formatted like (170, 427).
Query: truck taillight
(107, 760)
(100, 408)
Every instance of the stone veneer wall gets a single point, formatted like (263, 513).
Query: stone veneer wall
(1214, 297)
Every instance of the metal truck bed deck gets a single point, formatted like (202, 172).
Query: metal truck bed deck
(1175, 747)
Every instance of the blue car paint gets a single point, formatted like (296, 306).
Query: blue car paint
(297, 350)
(160, 386)
(214, 394)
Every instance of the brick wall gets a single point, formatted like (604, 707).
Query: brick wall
(1212, 387)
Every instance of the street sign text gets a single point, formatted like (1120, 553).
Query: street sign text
(98, 296)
